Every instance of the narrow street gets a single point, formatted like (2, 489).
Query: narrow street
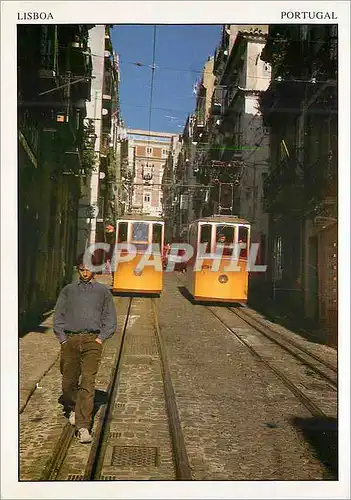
(239, 421)
(192, 169)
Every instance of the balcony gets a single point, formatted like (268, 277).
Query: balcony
(200, 120)
(48, 52)
(199, 125)
(320, 179)
(232, 146)
(221, 57)
(283, 189)
(217, 101)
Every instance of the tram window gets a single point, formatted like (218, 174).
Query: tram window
(157, 234)
(205, 235)
(140, 232)
(122, 232)
(243, 238)
(225, 237)
(140, 235)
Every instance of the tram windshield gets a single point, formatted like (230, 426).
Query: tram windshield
(140, 235)
(225, 238)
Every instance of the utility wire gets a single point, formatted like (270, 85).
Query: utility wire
(152, 78)
(150, 104)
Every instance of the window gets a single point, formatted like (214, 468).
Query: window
(225, 238)
(164, 152)
(205, 235)
(149, 150)
(157, 233)
(122, 232)
(243, 237)
(140, 232)
(147, 198)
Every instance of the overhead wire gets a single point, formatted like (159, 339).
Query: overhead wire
(150, 104)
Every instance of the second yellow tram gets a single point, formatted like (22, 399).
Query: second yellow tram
(205, 283)
(141, 232)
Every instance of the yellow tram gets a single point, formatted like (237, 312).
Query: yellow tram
(145, 237)
(211, 272)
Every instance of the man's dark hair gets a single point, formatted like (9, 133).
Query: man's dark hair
(80, 260)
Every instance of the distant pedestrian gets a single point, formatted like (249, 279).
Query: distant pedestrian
(85, 316)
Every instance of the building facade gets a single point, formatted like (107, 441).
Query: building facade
(300, 107)
(101, 194)
(150, 153)
(172, 191)
(54, 80)
(232, 150)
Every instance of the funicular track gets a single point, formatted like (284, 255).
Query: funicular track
(313, 401)
(319, 365)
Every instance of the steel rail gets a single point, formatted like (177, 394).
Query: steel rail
(305, 400)
(53, 466)
(97, 452)
(296, 344)
(281, 341)
(55, 462)
(183, 470)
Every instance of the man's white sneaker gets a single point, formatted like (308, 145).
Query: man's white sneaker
(84, 436)
(72, 418)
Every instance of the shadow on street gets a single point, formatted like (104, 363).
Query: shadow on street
(100, 399)
(322, 435)
(187, 295)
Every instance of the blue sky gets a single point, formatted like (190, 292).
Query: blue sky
(183, 47)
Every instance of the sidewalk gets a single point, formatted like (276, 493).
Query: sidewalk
(39, 350)
(276, 313)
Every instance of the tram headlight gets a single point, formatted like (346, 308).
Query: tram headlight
(138, 272)
(223, 278)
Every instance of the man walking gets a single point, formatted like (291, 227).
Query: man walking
(85, 317)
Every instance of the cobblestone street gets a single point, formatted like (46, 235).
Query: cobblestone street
(238, 419)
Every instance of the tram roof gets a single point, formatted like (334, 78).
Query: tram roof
(223, 219)
(139, 217)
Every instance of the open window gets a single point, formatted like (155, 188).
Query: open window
(243, 237)
(122, 236)
(157, 235)
(206, 236)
